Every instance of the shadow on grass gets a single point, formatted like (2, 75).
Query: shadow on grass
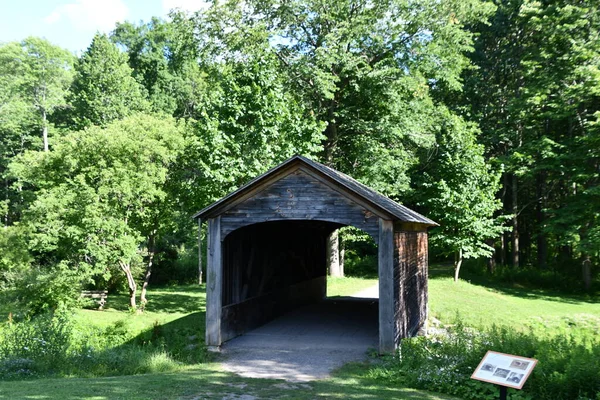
(206, 382)
(444, 270)
(181, 299)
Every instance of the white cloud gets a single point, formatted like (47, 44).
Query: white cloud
(185, 5)
(90, 15)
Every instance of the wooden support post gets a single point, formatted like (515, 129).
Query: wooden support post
(199, 251)
(214, 284)
(386, 286)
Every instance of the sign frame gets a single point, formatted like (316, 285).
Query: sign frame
(504, 369)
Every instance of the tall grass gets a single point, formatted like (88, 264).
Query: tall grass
(54, 344)
(568, 366)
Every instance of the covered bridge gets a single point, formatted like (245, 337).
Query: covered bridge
(267, 250)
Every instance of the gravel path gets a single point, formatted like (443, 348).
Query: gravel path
(308, 343)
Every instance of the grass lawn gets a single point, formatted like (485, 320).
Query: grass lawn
(184, 306)
(348, 286)
(520, 308)
(165, 306)
(208, 382)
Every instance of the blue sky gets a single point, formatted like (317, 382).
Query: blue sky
(72, 23)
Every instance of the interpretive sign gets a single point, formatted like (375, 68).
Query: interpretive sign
(504, 369)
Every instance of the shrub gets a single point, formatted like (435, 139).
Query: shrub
(38, 344)
(567, 366)
(52, 344)
(41, 291)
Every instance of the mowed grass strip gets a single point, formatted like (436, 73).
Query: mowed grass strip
(208, 382)
(539, 311)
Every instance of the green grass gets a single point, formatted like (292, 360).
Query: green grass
(165, 306)
(348, 286)
(208, 382)
(520, 308)
(181, 309)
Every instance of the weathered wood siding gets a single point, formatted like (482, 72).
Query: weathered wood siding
(410, 283)
(387, 305)
(299, 196)
(214, 283)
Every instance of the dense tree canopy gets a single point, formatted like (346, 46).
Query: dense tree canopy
(474, 112)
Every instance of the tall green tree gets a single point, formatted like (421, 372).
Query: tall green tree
(34, 78)
(101, 196)
(367, 70)
(457, 189)
(535, 94)
(103, 88)
(164, 57)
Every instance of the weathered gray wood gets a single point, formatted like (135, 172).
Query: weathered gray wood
(199, 251)
(387, 342)
(214, 284)
(299, 196)
(251, 313)
(99, 296)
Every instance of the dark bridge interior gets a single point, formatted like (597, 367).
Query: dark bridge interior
(270, 268)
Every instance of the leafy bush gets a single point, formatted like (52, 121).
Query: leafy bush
(41, 291)
(53, 344)
(567, 366)
(39, 344)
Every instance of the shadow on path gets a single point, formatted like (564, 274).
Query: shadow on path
(307, 343)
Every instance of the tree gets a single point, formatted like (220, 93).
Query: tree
(103, 88)
(164, 57)
(34, 78)
(535, 94)
(457, 188)
(101, 197)
(366, 70)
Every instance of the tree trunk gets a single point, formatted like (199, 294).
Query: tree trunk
(333, 255)
(542, 242)
(44, 130)
(504, 238)
(130, 283)
(151, 252)
(342, 247)
(515, 223)
(586, 270)
(491, 262)
(331, 135)
(458, 259)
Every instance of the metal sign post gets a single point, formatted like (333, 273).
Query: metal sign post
(503, 392)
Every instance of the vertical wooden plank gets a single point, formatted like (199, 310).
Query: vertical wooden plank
(214, 284)
(386, 286)
(199, 251)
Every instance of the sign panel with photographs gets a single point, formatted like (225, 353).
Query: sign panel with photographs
(504, 369)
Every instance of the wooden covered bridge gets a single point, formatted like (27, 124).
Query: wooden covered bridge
(267, 250)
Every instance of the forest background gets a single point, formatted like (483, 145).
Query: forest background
(482, 115)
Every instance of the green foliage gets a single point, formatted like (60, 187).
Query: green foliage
(14, 258)
(40, 290)
(34, 78)
(100, 193)
(54, 344)
(36, 346)
(567, 368)
(103, 88)
(457, 189)
(534, 95)
(367, 71)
